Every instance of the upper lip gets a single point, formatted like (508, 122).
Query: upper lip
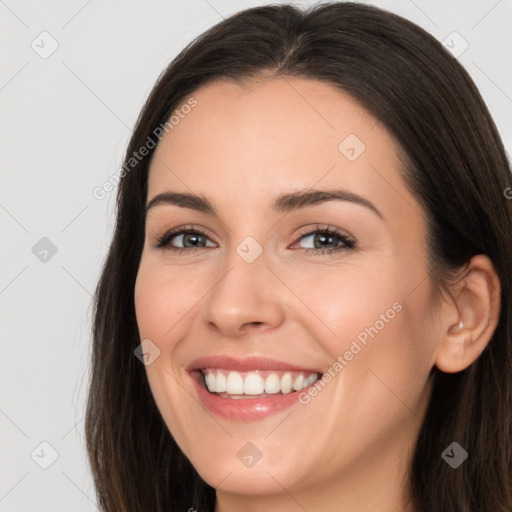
(249, 363)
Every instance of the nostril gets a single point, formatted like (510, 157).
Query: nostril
(253, 323)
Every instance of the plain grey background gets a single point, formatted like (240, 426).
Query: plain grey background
(73, 78)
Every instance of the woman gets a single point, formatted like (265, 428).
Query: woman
(306, 302)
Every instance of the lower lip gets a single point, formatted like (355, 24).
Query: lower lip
(243, 409)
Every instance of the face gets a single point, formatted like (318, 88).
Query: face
(262, 291)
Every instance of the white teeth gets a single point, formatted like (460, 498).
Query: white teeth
(286, 383)
(234, 384)
(298, 382)
(220, 383)
(255, 383)
(312, 378)
(272, 384)
(210, 380)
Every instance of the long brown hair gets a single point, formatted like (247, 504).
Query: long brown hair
(457, 168)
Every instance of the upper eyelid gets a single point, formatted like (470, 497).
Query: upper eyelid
(308, 230)
(199, 230)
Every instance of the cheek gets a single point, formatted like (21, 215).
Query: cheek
(346, 302)
(162, 300)
(371, 321)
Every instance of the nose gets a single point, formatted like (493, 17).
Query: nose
(246, 296)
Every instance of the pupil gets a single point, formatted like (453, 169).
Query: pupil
(190, 237)
(323, 237)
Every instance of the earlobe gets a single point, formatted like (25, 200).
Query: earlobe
(452, 356)
(477, 301)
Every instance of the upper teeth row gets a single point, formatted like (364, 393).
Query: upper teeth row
(252, 383)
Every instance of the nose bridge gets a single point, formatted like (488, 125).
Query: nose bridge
(245, 291)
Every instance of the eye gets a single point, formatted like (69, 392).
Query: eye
(185, 239)
(325, 240)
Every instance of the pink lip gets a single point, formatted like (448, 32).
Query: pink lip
(246, 364)
(244, 409)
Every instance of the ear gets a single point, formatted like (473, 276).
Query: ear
(477, 301)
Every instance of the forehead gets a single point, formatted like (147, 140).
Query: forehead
(275, 134)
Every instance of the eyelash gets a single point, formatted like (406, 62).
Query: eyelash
(348, 243)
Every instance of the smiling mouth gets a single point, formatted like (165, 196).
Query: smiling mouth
(255, 384)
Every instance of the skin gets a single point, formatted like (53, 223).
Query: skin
(349, 448)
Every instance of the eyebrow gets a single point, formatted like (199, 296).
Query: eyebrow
(283, 203)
